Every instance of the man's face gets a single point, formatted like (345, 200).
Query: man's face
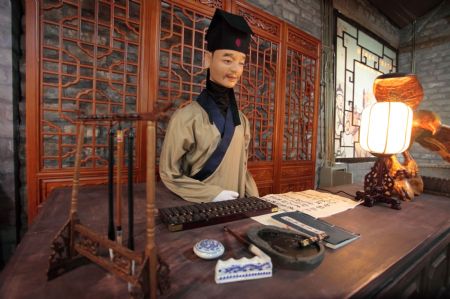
(225, 66)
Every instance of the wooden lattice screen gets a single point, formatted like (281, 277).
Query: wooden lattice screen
(87, 61)
(108, 56)
(277, 91)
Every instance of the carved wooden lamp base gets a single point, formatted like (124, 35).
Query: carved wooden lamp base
(379, 186)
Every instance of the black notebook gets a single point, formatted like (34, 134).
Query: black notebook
(337, 236)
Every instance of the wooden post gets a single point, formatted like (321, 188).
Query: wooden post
(76, 175)
(111, 228)
(130, 190)
(150, 249)
(119, 185)
(75, 188)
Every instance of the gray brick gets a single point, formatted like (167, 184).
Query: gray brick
(433, 70)
(5, 17)
(5, 36)
(5, 57)
(288, 16)
(7, 166)
(6, 147)
(5, 75)
(5, 94)
(290, 7)
(290, 11)
(434, 84)
(6, 130)
(5, 4)
(263, 3)
(5, 113)
(7, 182)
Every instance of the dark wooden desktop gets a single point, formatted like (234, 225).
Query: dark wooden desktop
(400, 253)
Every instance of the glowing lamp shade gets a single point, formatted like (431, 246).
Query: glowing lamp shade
(386, 128)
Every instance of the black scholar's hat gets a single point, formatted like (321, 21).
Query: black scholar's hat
(228, 31)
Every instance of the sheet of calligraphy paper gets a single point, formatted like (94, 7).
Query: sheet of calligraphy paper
(311, 202)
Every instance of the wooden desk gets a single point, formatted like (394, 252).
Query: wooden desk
(399, 252)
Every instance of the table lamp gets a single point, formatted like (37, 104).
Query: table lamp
(385, 130)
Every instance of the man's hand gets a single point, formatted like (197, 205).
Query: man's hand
(226, 195)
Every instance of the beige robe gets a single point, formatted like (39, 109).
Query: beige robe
(190, 140)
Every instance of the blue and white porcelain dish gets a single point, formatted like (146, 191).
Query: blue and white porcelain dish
(209, 249)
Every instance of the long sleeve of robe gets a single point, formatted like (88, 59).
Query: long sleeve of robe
(190, 140)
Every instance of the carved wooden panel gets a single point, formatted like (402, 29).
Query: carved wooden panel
(298, 149)
(260, 24)
(182, 76)
(83, 57)
(413, 289)
(265, 188)
(260, 96)
(181, 51)
(296, 170)
(299, 107)
(303, 44)
(258, 92)
(297, 184)
(89, 63)
(427, 275)
(108, 56)
(257, 96)
(438, 274)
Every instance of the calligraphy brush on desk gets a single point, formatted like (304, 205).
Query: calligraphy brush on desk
(251, 247)
(302, 241)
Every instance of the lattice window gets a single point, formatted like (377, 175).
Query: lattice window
(181, 73)
(89, 64)
(299, 107)
(256, 93)
(360, 58)
(182, 76)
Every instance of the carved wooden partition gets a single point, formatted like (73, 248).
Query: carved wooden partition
(105, 56)
(81, 57)
(278, 91)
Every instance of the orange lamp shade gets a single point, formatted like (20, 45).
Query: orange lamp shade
(398, 87)
(386, 128)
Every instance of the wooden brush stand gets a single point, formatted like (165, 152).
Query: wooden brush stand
(76, 244)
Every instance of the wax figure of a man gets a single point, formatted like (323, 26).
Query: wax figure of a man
(205, 150)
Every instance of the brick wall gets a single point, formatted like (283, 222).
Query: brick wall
(432, 67)
(7, 192)
(363, 13)
(304, 14)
